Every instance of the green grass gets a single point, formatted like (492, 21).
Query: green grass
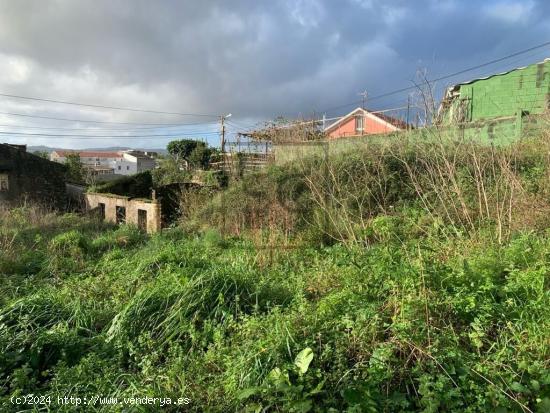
(395, 305)
(419, 323)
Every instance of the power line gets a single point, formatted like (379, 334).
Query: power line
(90, 105)
(237, 126)
(336, 118)
(243, 124)
(460, 72)
(95, 121)
(507, 66)
(57, 136)
(103, 129)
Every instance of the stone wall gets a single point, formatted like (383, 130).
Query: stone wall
(30, 177)
(143, 213)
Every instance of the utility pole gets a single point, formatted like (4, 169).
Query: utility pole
(222, 138)
(222, 134)
(222, 130)
(364, 95)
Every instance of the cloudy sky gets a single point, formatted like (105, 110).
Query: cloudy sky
(256, 59)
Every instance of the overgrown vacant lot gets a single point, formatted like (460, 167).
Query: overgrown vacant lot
(429, 323)
(409, 311)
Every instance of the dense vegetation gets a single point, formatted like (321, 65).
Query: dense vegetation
(135, 186)
(389, 279)
(195, 153)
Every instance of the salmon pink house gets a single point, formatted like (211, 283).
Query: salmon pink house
(362, 122)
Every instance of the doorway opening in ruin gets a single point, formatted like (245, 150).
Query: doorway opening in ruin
(142, 219)
(101, 207)
(120, 215)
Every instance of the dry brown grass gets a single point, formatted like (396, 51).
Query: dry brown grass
(463, 183)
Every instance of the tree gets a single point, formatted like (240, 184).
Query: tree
(181, 149)
(75, 169)
(42, 154)
(200, 157)
(195, 153)
(169, 172)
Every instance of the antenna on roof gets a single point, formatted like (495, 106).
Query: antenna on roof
(364, 95)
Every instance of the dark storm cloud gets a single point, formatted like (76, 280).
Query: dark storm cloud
(255, 59)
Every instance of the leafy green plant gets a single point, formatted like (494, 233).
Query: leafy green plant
(285, 389)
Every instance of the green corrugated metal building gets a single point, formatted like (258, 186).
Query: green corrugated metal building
(523, 90)
(499, 107)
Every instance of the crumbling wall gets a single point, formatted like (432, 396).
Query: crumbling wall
(107, 204)
(30, 177)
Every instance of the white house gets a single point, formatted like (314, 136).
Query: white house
(133, 162)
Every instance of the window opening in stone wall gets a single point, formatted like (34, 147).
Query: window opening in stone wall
(4, 183)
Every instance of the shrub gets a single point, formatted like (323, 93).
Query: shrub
(135, 186)
(123, 236)
(67, 252)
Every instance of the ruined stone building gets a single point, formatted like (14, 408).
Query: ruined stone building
(119, 209)
(24, 176)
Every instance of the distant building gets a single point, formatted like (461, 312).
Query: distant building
(110, 163)
(24, 176)
(362, 122)
(137, 161)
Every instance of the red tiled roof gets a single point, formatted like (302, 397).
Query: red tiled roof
(90, 154)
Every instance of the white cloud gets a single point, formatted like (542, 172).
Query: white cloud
(307, 13)
(365, 4)
(15, 69)
(393, 15)
(445, 6)
(510, 11)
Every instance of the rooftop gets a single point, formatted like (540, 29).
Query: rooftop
(138, 154)
(469, 82)
(385, 118)
(90, 154)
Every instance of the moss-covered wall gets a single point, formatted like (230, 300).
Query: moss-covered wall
(31, 177)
